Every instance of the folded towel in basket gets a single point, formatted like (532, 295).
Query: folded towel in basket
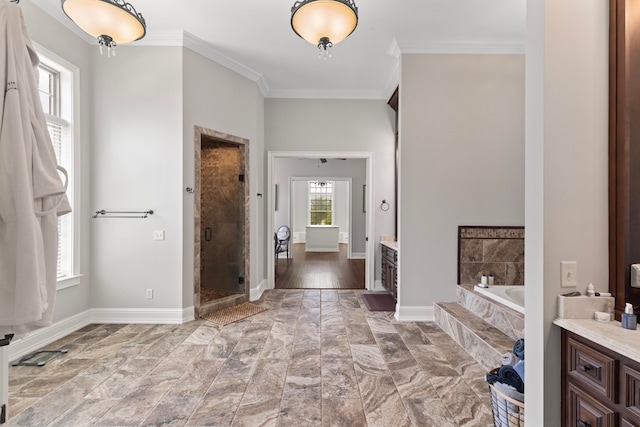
(519, 368)
(518, 349)
(509, 359)
(506, 375)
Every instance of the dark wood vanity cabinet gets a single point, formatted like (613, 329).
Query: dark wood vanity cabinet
(599, 386)
(389, 274)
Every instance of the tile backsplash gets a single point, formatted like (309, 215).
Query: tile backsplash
(491, 250)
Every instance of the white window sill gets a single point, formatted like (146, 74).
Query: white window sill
(67, 282)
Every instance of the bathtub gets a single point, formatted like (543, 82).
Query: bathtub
(511, 296)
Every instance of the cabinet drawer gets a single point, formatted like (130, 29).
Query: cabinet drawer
(593, 369)
(631, 385)
(389, 254)
(585, 411)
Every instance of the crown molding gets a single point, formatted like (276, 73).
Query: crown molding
(177, 38)
(188, 40)
(394, 49)
(170, 38)
(393, 82)
(205, 49)
(326, 94)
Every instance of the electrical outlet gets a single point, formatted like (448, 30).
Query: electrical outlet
(158, 234)
(568, 274)
(149, 293)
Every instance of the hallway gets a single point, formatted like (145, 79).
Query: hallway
(315, 358)
(319, 270)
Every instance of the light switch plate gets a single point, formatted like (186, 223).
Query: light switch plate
(568, 274)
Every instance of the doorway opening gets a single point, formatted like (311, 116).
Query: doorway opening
(322, 224)
(284, 169)
(221, 221)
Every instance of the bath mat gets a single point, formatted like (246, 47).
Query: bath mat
(233, 314)
(379, 302)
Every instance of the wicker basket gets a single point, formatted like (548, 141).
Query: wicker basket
(507, 412)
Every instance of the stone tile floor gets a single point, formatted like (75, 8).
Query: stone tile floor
(315, 358)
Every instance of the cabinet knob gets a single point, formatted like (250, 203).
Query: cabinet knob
(584, 368)
(581, 423)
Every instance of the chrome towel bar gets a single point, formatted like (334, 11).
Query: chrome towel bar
(122, 214)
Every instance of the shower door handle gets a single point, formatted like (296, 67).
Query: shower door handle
(207, 234)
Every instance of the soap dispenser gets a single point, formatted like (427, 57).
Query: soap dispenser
(629, 320)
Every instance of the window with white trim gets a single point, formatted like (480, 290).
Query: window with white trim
(321, 202)
(56, 89)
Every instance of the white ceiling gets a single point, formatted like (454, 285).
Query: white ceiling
(254, 37)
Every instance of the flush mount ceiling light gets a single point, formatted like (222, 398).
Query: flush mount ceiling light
(112, 22)
(324, 22)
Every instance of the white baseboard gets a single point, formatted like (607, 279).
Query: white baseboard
(414, 313)
(377, 286)
(41, 337)
(256, 293)
(143, 315)
(358, 255)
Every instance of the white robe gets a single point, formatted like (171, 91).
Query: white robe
(32, 194)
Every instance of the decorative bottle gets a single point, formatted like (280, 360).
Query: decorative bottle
(629, 320)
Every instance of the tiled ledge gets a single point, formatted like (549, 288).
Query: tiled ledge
(482, 341)
(505, 319)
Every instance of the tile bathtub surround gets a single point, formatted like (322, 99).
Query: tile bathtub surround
(505, 319)
(315, 358)
(491, 250)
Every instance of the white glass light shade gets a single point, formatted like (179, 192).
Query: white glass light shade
(324, 18)
(105, 17)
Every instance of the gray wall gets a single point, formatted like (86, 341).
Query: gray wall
(349, 125)
(220, 99)
(461, 163)
(566, 179)
(137, 153)
(137, 165)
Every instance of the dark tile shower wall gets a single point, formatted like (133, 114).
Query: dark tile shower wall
(221, 195)
(491, 250)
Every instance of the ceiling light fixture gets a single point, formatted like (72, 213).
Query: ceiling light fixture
(112, 22)
(324, 22)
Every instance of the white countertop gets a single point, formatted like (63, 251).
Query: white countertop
(608, 334)
(390, 244)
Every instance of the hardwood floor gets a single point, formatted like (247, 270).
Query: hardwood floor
(319, 270)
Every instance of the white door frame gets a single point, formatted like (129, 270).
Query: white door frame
(369, 274)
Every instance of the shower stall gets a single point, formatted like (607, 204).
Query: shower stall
(222, 225)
